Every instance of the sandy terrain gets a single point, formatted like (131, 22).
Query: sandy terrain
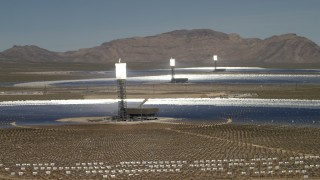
(86, 119)
(178, 150)
(108, 120)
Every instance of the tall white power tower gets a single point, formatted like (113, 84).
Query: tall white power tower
(172, 65)
(215, 59)
(121, 76)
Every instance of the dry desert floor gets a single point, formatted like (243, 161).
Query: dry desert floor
(169, 149)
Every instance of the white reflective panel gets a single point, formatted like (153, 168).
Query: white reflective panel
(121, 70)
(215, 57)
(172, 62)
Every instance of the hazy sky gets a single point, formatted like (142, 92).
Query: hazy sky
(61, 25)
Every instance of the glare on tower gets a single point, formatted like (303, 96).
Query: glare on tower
(172, 62)
(121, 70)
(215, 57)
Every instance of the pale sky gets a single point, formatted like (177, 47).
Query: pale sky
(62, 25)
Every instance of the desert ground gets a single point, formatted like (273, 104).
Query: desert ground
(167, 149)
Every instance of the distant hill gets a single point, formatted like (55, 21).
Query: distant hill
(32, 54)
(2, 56)
(192, 46)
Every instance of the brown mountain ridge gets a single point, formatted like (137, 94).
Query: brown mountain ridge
(192, 46)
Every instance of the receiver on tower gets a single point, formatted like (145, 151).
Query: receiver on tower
(121, 70)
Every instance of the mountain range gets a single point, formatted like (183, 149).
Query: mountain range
(191, 46)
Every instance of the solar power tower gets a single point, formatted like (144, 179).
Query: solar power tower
(172, 65)
(215, 59)
(121, 76)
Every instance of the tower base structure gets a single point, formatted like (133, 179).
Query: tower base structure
(122, 100)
